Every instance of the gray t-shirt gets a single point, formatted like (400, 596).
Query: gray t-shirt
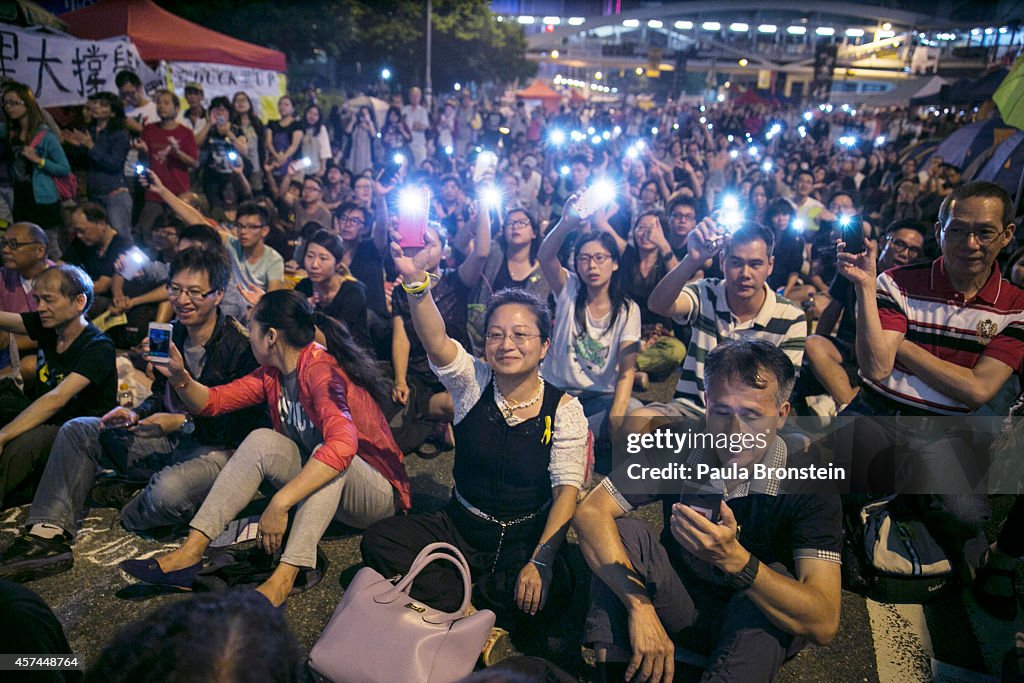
(270, 266)
(297, 425)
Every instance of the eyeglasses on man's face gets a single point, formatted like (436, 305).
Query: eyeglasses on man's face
(984, 236)
(193, 295)
(14, 244)
(899, 245)
(250, 226)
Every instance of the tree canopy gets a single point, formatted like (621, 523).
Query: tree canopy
(468, 44)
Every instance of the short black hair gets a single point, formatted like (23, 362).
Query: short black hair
(778, 206)
(907, 224)
(251, 208)
(579, 159)
(220, 101)
(751, 232)
(351, 206)
(93, 212)
(977, 188)
(200, 260)
(746, 360)
(202, 233)
(210, 637)
(312, 178)
(843, 193)
(521, 297)
(681, 200)
(72, 282)
(126, 76)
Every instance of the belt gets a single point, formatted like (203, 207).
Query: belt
(504, 524)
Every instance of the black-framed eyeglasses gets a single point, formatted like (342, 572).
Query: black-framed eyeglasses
(521, 223)
(352, 220)
(14, 244)
(900, 245)
(243, 226)
(984, 236)
(596, 259)
(194, 295)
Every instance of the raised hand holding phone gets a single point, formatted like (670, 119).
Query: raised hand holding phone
(160, 343)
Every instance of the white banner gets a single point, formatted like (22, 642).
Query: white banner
(262, 86)
(64, 71)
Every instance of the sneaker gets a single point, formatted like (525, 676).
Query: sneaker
(32, 557)
(498, 647)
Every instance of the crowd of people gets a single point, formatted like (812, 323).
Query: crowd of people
(772, 261)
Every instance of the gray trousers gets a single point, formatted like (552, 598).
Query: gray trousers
(180, 474)
(359, 496)
(741, 642)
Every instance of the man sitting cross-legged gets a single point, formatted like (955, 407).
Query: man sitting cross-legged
(183, 454)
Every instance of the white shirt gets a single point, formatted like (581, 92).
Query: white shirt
(416, 115)
(587, 362)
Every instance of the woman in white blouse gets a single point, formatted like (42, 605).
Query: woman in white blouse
(521, 451)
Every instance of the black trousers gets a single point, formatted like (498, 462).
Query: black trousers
(391, 545)
(22, 462)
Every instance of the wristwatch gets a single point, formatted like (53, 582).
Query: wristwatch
(744, 578)
(188, 426)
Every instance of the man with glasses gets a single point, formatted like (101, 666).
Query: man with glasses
(310, 206)
(96, 248)
(681, 216)
(259, 268)
(24, 257)
(934, 339)
(830, 351)
(159, 441)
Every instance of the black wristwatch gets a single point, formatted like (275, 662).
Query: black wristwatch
(744, 578)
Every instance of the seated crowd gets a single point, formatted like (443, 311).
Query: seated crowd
(313, 350)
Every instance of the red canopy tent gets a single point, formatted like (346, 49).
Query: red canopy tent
(548, 98)
(161, 35)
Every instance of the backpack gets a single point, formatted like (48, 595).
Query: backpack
(900, 561)
(67, 185)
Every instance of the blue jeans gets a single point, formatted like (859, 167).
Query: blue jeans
(180, 474)
(119, 211)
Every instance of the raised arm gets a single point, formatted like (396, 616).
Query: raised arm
(440, 348)
(183, 209)
(667, 297)
(876, 347)
(473, 266)
(553, 271)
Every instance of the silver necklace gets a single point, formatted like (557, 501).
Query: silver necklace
(508, 407)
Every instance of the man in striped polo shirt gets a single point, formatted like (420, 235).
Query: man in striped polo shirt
(935, 339)
(740, 306)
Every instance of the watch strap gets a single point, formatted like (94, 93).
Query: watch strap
(744, 579)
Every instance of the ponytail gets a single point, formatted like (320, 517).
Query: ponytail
(291, 314)
(353, 359)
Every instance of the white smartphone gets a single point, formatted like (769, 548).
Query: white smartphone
(134, 261)
(485, 161)
(599, 194)
(160, 342)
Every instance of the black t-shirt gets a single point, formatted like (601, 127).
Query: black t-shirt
(638, 287)
(842, 291)
(90, 355)
(347, 306)
(789, 258)
(368, 267)
(218, 148)
(89, 259)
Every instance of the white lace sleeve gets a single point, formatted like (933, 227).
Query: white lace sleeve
(569, 447)
(465, 379)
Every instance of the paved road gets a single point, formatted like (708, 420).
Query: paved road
(877, 642)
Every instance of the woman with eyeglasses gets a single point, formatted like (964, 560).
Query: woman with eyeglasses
(596, 335)
(37, 158)
(519, 465)
(511, 264)
(330, 453)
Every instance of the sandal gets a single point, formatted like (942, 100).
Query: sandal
(1001, 604)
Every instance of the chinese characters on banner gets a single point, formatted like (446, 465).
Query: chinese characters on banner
(65, 71)
(264, 87)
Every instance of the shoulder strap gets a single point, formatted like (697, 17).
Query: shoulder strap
(38, 138)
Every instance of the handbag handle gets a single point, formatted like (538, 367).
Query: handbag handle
(429, 554)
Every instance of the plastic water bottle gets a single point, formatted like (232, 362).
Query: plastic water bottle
(125, 396)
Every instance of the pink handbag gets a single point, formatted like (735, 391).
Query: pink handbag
(378, 633)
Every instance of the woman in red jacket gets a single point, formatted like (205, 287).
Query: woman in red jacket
(330, 453)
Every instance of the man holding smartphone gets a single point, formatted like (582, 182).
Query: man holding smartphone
(701, 585)
(158, 440)
(75, 371)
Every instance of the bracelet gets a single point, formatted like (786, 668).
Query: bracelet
(418, 289)
(543, 545)
(188, 380)
(42, 162)
(540, 564)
